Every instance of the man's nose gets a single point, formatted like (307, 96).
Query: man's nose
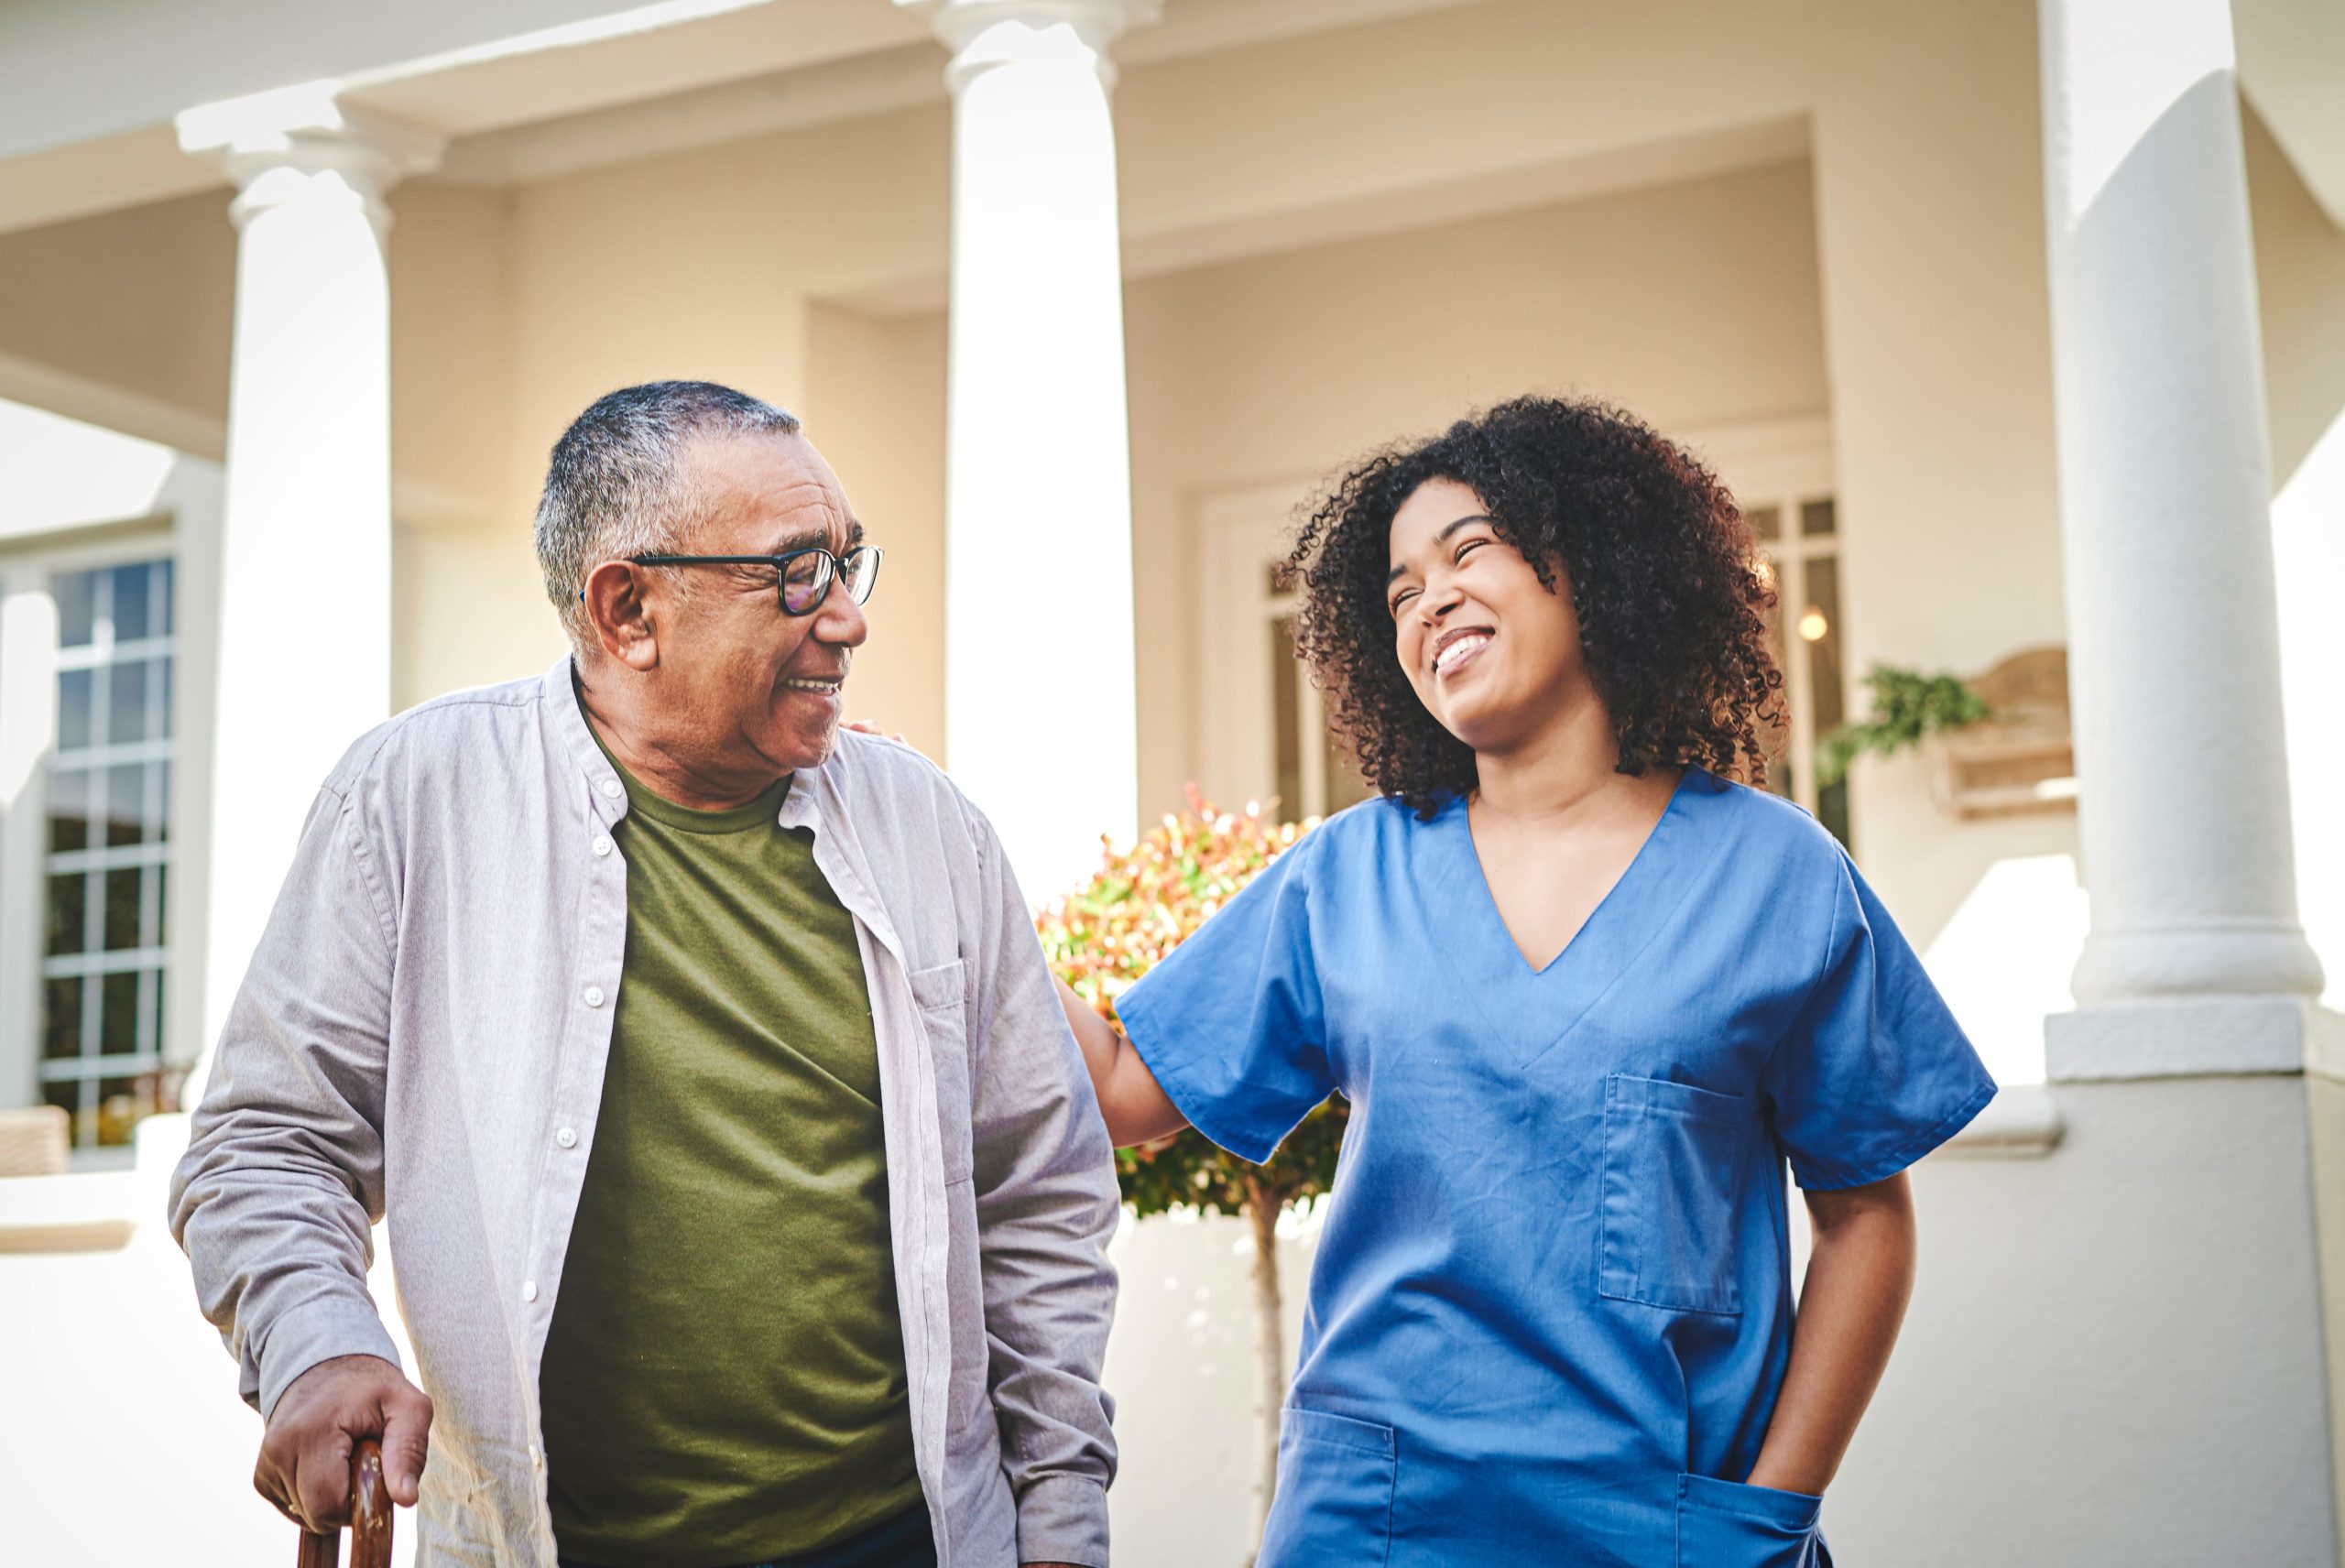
(841, 620)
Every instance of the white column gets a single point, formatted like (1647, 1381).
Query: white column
(2195, 961)
(304, 659)
(1040, 726)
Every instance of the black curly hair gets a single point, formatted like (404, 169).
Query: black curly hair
(1672, 596)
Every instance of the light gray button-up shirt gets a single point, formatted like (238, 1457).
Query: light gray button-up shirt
(424, 1028)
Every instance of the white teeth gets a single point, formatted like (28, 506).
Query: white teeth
(824, 687)
(1457, 650)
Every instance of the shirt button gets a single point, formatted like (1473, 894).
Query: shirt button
(566, 1137)
(529, 1289)
(612, 789)
(536, 1457)
(602, 844)
(594, 995)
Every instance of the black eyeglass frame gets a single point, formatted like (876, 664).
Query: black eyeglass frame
(832, 568)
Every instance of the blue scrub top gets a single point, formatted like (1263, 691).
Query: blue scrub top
(1552, 1303)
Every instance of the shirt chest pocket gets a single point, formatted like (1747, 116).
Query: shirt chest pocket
(1673, 1163)
(944, 1024)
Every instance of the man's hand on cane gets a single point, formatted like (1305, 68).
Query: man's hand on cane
(304, 1467)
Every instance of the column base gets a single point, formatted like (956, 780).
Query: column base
(2180, 1037)
(2146, 1306)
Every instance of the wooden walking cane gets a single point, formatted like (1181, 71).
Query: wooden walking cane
(370, 1517)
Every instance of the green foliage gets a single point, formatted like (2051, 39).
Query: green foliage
(1107, 934)
(1906, 705)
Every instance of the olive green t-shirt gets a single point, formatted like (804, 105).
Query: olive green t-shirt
(724, 1378)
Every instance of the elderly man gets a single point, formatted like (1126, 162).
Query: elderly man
(748, 1196)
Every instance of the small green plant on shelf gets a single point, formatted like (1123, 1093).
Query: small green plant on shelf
(1906, 705)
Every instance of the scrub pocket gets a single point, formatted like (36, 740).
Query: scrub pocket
(1672, 1177)
(1334, 1495)
(1723, 1524)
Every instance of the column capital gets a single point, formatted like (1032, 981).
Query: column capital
(277, 144)
(961, 24)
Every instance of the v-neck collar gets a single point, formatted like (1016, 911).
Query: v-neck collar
(1536, 1007)
(1496, 916)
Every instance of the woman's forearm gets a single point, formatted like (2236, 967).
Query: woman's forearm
(1135, 1109)
(1860, 1276)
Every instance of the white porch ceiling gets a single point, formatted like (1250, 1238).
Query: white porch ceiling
(581, 85)
(588, 88)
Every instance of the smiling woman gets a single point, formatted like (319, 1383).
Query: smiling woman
(1587, 994)
(1646, 548)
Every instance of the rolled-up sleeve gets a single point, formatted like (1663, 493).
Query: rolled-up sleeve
(283, 1175)
(1047, 1204)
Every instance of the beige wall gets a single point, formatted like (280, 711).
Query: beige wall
(875, 406)
(1931, 219)
(1692, 304)
(452, 351)
(2300, 282)
(469, 608)
(702, 264)
(139, 301)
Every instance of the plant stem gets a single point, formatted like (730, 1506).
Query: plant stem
(1262, 1205)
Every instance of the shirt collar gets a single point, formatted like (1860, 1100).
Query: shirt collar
(801, 807)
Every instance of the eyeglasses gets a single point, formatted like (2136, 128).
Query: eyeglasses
(804, 576)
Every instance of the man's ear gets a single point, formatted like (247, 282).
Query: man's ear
(622, 618)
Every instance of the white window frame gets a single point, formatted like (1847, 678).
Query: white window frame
(185, 525)
(1784, 464)
(1244, 533)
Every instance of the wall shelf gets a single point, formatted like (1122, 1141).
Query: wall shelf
(2023, 759)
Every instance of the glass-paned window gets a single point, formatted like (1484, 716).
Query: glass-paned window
(1806, 627)
(109, 791)
(1316, 775)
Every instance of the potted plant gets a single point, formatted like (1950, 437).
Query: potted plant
(1107, 934)
(1906, 706)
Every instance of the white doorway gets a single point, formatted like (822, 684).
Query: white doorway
(1264, 725)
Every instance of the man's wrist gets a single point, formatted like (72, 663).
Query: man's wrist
(314, 1333)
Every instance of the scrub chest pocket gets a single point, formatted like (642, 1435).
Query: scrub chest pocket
(1673, 1161)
